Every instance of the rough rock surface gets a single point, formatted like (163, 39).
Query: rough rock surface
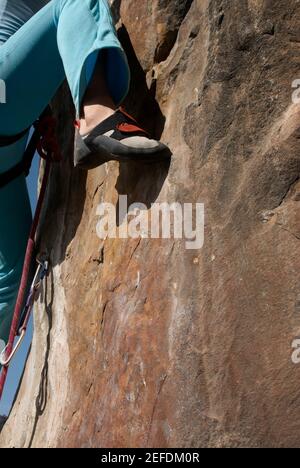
(142, 343)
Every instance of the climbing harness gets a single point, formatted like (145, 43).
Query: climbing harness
(44, 141)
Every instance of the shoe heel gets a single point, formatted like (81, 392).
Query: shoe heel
(83, 157)
(81, 151)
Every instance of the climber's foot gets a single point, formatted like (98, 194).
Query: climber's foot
(118, 138)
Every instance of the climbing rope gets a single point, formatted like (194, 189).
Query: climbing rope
(44, 141)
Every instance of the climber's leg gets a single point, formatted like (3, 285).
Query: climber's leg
(64, 36)
(31, 79)
(99, 90)
(84, 28)
(32, 70)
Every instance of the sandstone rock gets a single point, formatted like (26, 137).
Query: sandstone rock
(142, 343)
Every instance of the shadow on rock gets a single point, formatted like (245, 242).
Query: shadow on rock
(141, 100)
(142, 183)
(2, 422)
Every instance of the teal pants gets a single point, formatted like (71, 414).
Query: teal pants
(63, 40)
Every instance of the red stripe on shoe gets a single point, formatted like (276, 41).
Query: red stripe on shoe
(128, 128)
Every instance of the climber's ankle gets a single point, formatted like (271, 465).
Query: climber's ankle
(97, 104)
(93, 116)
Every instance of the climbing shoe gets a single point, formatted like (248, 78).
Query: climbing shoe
(118, 138)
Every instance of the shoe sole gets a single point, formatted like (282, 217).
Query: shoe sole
(86, 159)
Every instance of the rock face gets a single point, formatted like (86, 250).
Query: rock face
(143, 343)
